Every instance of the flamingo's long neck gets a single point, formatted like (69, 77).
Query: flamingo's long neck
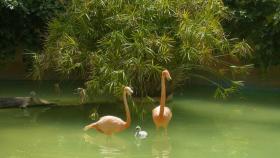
(128, 118)
(163, 95)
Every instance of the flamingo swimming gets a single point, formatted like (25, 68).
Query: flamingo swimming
(162, 114)
(111, 124)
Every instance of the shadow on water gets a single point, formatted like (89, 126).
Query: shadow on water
(205, 112)
(259, 96)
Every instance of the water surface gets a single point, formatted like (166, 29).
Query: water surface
(246, 126)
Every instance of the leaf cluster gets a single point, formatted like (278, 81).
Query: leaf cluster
(114, 43)
(257, 21)
(23, 24)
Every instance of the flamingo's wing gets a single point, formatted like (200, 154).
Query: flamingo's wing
(166, 113)
(110, 124)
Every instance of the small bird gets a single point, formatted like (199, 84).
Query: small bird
(140, 134)
(83, 94)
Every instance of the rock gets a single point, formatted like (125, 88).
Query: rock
(22, 102)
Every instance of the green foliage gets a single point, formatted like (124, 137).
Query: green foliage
(23, 24)
(258, 21)
(114, 43)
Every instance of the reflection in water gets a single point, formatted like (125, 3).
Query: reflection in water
(161, 147)
(31, 113)
(108, 147)
(138, 142)
(94, 116)
(25, 113)
(109, 152)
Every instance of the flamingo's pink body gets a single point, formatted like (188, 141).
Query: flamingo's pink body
(108, 125)
(162, 114)
(111, 124)
(162, 121)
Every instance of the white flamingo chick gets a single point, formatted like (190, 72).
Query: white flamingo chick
(140, 134)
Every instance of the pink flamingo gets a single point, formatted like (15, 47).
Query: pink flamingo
(111, 124)
(162, 114)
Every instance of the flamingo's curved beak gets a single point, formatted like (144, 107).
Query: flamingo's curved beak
(86, 128)
(166, 74)
(129, 90)
(168, 77)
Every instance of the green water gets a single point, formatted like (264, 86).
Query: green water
(243, 127)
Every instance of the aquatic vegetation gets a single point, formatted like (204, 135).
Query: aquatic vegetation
(94, 114)
(139, 110)
(114, 43)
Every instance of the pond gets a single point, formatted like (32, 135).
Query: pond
(247, 126)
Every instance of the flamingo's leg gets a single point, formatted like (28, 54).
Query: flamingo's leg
(165, 131)
(157, 129)
(108, 138)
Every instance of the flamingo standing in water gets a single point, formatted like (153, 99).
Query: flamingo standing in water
(111, 124)
(162, 114)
